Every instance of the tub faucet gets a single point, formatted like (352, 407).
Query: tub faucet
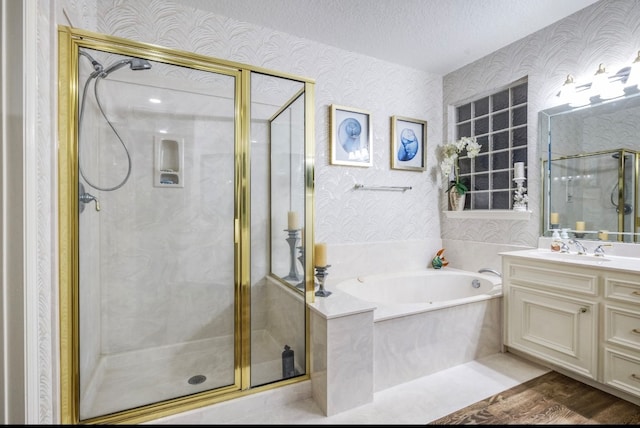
(581, 248)
(495, 272)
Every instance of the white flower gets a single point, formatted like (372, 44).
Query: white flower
(451, 151)
(447, 165)
(473, 148)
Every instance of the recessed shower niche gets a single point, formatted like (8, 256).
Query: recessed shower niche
(174, 300)
(169, 161)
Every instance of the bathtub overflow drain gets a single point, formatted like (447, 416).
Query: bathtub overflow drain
(197, 379)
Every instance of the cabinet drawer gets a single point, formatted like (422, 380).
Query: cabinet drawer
(622, 287)
(549, 276)
(622, 370)
(556, 328)
(622, 326)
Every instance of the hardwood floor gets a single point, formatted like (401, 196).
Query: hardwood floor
(548, 399)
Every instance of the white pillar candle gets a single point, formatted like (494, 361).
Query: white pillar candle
(518, 170)
(555, 218)
(579, 225)
(320, 254)
(292, 220)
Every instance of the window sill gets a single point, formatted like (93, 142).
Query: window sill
(492, 214)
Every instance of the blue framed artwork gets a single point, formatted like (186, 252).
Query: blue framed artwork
(350, 137)
(408, 144)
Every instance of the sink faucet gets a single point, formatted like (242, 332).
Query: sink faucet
(581, 248)
(599, 251)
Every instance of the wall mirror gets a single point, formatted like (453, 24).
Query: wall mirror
(591, 158)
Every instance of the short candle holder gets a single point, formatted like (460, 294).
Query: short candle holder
(292, 239)
(579, 234)
(321, 274)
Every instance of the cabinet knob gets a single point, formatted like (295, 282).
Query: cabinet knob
(583, 310)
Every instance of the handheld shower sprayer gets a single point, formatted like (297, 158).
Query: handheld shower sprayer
(134, 64)
(98, 74)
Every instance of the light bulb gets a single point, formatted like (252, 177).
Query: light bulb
(568, 90)
(600, 86)
(634, 74)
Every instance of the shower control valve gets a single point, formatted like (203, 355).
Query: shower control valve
(85, 198)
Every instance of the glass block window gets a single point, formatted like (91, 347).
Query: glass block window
(499, 123)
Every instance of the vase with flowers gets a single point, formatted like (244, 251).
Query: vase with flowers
(451, 168)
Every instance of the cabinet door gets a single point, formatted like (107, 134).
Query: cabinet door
(555, 328)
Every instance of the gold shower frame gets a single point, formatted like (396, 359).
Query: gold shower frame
(69, 41)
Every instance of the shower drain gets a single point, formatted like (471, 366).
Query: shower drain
(197, 379)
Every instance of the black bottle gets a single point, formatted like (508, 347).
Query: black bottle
(288, 366)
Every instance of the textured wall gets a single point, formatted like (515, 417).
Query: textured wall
(343, 78)
(606, 32)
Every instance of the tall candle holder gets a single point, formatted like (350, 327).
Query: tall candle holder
(520, 197)
(301, 258)
(292, 239)
(321, 274)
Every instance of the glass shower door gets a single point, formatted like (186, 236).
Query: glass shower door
(156, 237)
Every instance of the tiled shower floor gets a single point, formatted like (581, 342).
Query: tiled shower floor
(132, 379)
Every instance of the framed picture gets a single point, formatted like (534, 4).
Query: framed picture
(408, 144)
(350, 136)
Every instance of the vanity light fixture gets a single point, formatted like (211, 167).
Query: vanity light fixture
(603, 85)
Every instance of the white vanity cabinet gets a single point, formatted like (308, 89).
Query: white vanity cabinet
(621, 332)
(552, 314)
(577, 317)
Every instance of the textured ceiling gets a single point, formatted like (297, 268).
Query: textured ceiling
(437, 36)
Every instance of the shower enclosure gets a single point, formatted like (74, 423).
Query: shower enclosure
(178, 173)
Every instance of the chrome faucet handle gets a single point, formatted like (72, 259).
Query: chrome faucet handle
(599, 251)
(581, 248)
(564, 248)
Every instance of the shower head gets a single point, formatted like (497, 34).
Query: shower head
(134, 64)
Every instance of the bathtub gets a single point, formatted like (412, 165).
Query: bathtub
(429, 320)
(405, 293)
